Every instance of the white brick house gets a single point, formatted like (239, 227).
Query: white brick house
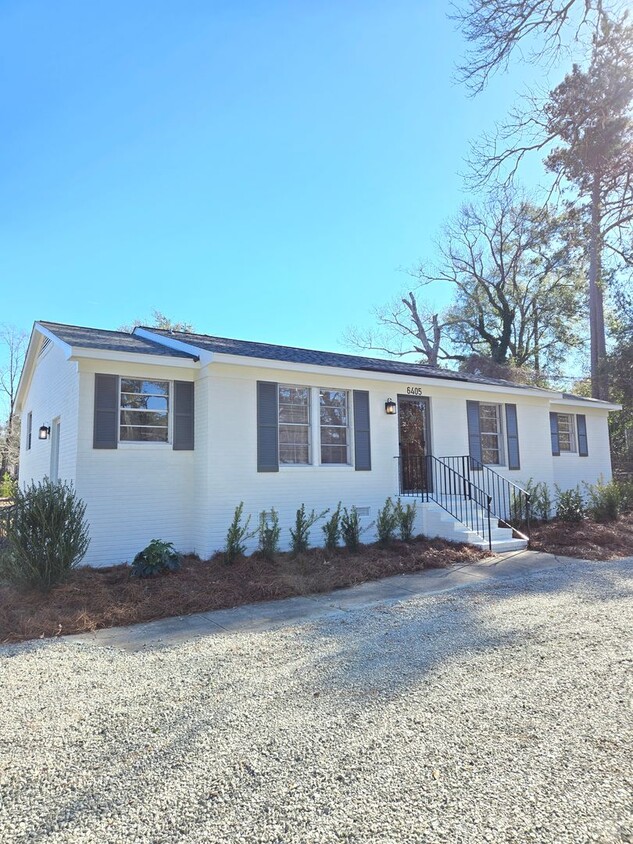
(164, 434)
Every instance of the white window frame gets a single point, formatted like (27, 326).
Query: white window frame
(314, 427)
(500, 434)
(348, 426)
(170, 414)
(573, 440)
(310, 424)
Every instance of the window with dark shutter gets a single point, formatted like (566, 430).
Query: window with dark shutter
(267, 427)
(362, 434)
(474, 433)
(583, 446)
(183, 434)
(106, 411)
(512, 433)
(553, 427)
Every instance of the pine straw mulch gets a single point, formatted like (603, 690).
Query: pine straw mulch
(109, 597)
(586, 540)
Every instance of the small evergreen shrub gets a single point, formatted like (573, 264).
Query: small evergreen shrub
(156, 558)
(540, 500)
(46, 535)
(386, 523)
(405, 518)
(237, 536)
(332, 529)
(569, 504)
(300, 534)
(269, 533)
(605, 501)
(351, 529)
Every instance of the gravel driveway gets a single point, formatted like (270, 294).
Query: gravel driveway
(497, 712)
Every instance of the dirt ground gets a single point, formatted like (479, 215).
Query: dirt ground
(109, 597)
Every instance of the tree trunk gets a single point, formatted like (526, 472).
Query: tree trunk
(599, 384)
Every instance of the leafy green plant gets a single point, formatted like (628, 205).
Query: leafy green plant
(269, 533)
(158, 557)
(605, 501)
(237, 536)
(332, 529)
(540, 500)
(351, 529)
(300, 534)
(569, 504)
(46, 535)
(7, 486)
(405, 518)
(386, 522)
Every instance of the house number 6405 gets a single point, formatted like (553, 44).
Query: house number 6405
(414, 391)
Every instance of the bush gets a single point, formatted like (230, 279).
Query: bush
(540, 500)
(269, 533)
(332, 529)
(386, 523)
(46, 535)
(300, 534)
(405, 517)
(569, 504)
(237, 536)
(605, 501)
(156, 558)
(351, 530)
(7, 486)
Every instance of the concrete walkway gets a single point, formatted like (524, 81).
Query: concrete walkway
(273, 614)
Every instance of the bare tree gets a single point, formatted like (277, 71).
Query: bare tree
(495, 29)
(158, 320)
(13, 343)
(584, 131)
(406, 326)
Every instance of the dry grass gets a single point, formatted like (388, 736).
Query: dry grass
(586, 540)
(109, 597)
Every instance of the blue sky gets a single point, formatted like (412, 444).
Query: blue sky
(262, 169)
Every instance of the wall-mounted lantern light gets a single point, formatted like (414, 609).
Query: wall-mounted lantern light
(45, 432)
(390, 407)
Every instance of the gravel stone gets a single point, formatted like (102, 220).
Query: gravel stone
(499, 712)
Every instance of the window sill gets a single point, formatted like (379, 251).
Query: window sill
(147, 446)
(337, 466)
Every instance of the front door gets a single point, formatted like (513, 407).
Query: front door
(413, 416)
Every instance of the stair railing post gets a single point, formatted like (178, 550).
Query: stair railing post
(489, 527)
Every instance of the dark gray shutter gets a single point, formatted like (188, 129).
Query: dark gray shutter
(106, 416)
(29, 429)
(512, 432)
(474, 433)
(362, 438)
(267, 427)
(553, 426)
(183, 415)
(583, 445)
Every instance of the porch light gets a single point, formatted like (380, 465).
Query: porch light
(390, 407)
(44, 432)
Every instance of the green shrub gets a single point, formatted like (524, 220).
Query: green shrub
(46, 535)
(300, 534)
(269, 533)
(605, 501)
(156, 558)
(237, 536)
(540, 500)
(386, 523)
(569, 504)
(626, 496)
(405, 518)
(332, 529)
(350, 529)
(7, 486)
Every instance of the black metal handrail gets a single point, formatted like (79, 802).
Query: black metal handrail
(433, 480)
(510, 502)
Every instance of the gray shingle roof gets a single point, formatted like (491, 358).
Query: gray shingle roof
(293, 354)
(113, 341)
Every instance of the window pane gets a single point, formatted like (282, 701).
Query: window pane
(294, 454)
(135, 385)
(490, 455)
(333, 436)
(143, 417)
(294, 424)
(144, 402)
(294, 414)
(333, 454)
(131, 433)
(293, 434)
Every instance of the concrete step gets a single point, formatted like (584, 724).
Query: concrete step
(499, 546)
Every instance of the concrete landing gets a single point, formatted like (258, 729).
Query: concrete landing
(271, 615)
